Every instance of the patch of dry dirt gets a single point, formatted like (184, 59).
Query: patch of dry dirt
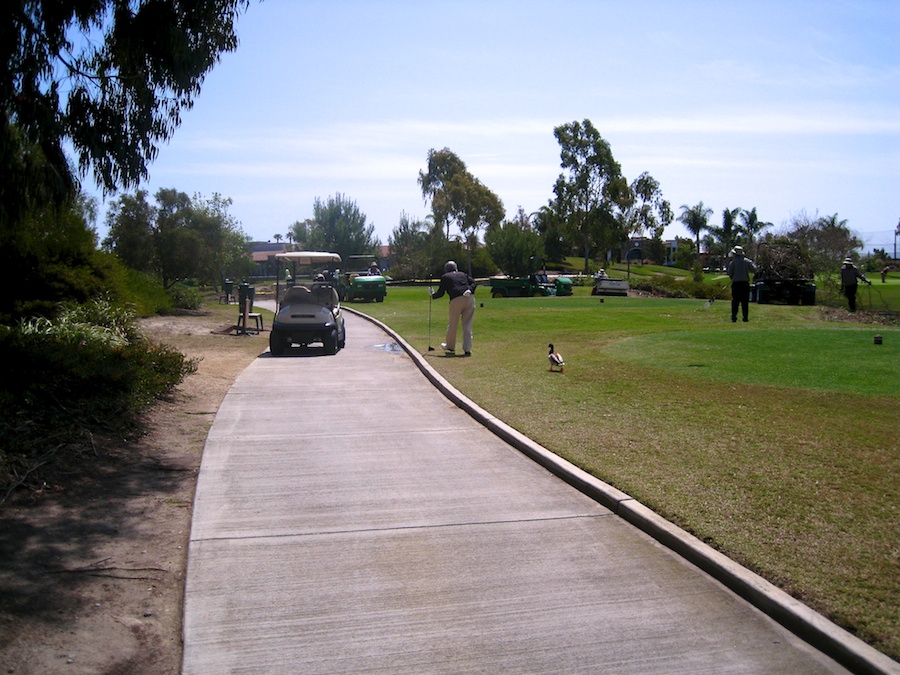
(92, 566)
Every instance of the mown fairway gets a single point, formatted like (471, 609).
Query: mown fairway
(776, 441)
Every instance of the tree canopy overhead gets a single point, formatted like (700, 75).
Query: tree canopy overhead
(108, 77)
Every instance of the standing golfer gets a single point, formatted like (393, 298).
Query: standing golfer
(461, 289)
(739, 270)
(849, 275)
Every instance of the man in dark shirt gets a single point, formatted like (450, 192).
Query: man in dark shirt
(739, 270)
(461, 289)
(849, 275)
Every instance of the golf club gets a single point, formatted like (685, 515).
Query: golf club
(713, 298)
(430, 300)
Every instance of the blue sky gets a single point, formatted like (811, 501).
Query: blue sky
(787, 106)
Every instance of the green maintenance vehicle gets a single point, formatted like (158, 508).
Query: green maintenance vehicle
(535, 285)
(364, 284)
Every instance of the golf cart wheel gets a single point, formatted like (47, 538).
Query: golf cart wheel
(498, 294)
(277, 343)
(537, 294)
(331, 342)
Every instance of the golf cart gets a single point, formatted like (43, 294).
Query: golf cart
(606, 285)
(362, 284)
(309, 311)
(536, 284)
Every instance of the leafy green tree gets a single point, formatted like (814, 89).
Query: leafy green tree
(409, 248)
(513, 244)
(458, 197)
(650, 213)
(685, 254)
(179, 246)
(340, 227)
(107, 77)
(549, 226)
(224, 245)
(442, 166)
(299, 234)
(52, 257)
(129, 223)
(115, 99)
(180, 238)
(695, 219)
(591, 192)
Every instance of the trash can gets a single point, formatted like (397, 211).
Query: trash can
(246, 292)
(228, 288)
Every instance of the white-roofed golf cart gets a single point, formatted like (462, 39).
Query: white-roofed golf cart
(309, 311)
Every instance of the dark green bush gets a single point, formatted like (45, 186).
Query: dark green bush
(184, 296)
(87, 370)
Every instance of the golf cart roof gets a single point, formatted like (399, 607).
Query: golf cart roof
(308, 257)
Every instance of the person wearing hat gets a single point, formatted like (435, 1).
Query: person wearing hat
(373, 270)
(849, 274)
(461, 289)
(739, 270)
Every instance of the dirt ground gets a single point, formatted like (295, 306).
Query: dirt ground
(92, 566)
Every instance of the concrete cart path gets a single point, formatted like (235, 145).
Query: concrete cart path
(349, 518)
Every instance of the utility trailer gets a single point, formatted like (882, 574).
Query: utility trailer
(783, 275)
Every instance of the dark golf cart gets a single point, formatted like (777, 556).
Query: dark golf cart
(309, 310)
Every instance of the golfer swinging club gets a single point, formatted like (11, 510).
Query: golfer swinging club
(461, 289)
(739, 270)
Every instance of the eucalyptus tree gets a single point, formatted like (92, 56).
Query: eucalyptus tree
(591, 191)
(442, 166)
(106, 78)
(650, 212)
(695, 219)
(458, 197)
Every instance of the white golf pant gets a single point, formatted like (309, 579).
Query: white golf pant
(461, 308)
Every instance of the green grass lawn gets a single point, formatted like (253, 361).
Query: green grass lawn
(776, 441)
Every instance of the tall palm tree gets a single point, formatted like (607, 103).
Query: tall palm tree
(727, 234)
(751, 225)
(695, 219)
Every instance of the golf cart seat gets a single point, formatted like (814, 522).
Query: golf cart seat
(324, 294)
(297, 295)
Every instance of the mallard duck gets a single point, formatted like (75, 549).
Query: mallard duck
(555, 358)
